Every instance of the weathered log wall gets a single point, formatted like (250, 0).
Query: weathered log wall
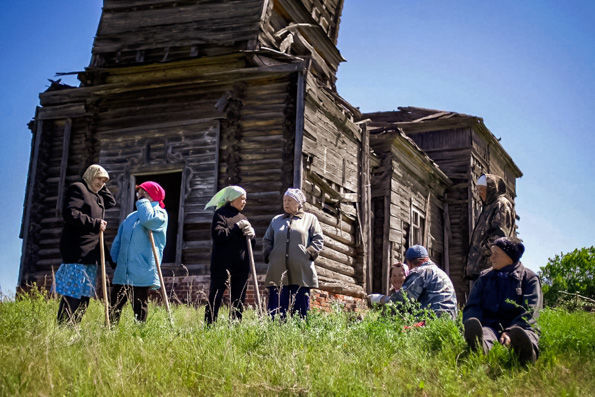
(464, 153)
(408, 191)
(133, 32)
(65, 148)
(332, 160)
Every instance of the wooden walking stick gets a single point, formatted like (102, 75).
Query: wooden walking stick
(253, 268)
(163, 291)
(103, 278)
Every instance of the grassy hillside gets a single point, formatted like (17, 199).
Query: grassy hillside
(330, 354)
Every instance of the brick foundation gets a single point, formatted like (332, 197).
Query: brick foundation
(194, 290)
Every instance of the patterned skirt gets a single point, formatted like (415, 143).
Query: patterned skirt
(76, 280)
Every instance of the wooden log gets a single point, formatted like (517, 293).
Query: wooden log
(323, 217)
(339, 247)
(337, 234)
(341, 288)
(329, 263)
(339, 257)
(332, 275)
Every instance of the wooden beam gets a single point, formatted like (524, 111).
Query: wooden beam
(365, 210)
(427, 223)
(63, 166)
(180, 231)
(446, 236)
(29, 200)
(386, 246)
(299, 133)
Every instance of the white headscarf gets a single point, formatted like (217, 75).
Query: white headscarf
(225, 195)
(482, 181)
(94, 171)
(297, 195)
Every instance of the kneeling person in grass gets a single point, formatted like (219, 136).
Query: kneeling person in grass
(427, 284)
(504, 304)
(398, 273)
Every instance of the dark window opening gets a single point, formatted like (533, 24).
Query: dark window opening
(171, 182)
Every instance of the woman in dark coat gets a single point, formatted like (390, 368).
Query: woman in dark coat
(83, 211)
(229, 259)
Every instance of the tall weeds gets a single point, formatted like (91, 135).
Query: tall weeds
(336, 353)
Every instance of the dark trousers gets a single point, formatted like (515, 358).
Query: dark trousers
(292, 297)
(138, 296)
(492, 336)
(71, 310)
(238, 281)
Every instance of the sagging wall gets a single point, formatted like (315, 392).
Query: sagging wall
(331, 180)
(408, 201)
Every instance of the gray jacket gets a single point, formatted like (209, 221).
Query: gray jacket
(431, 287)
(290, 246)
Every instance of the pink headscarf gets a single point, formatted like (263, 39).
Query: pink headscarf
(155, 191)
(405, 269)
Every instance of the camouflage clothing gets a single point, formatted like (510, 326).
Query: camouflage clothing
(497, 220)
(431, 287)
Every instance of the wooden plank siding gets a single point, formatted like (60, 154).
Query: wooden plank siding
(137, 32)
(332, 150)
(404, 181)
(463, 148)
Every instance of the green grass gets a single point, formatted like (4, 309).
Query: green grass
(334, 353)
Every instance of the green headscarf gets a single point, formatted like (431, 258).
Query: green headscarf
(224, 196)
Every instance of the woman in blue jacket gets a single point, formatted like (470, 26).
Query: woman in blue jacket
(136, 271)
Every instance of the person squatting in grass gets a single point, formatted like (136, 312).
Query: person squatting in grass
(230, 262)
(504, 304)
(427, 284)
(135, 268)
(398, 273)
(83, 212)
(291, 243)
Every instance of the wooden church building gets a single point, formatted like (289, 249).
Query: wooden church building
(198, 94)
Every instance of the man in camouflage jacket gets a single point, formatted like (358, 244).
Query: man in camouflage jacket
(497, 219)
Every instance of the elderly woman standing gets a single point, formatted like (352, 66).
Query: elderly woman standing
(291, 243)
(136, 270)
(229, 258)
(83, 211)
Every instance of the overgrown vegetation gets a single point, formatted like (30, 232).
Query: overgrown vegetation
(336, 353)
(567, 279)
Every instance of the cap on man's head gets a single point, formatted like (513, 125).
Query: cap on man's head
(511, 247)
(416, 252)
(482, 181)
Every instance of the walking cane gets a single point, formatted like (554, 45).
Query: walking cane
(253, 268)
(163, 292)
(103, 278)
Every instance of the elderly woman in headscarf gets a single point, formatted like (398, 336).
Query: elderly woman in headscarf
(230, 263)
(132, 251)
(291, 243)
(398, 273)
(83, 212)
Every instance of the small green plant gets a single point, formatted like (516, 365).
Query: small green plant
(567, 279)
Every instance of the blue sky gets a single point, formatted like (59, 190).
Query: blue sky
(525, 67)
